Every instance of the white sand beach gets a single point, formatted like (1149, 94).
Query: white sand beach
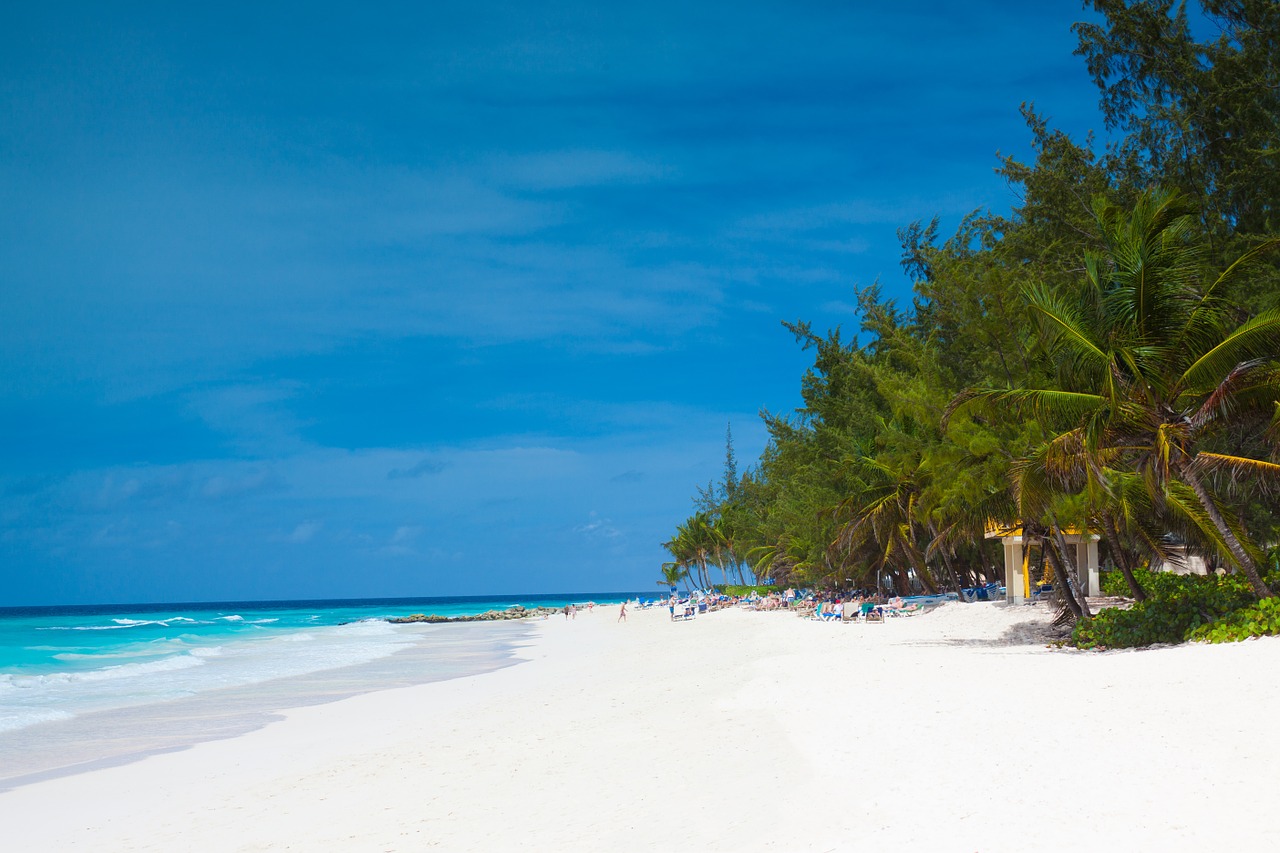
(952, 731)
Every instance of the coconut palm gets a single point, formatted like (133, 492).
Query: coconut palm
(1154, 372)
(697, 544)
(672, 573)
(883, 527)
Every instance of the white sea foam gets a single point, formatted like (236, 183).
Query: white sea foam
(127, 670)
(136, 653)
(232, 618)
(188, 668)
(11, 719)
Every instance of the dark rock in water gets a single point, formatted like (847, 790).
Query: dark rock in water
(513, 612)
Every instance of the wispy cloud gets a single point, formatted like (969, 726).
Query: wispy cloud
(271, 318)
(304, 532)
(574, 168)
(422, 468)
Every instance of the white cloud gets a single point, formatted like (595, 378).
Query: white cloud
(570, 168)
(304, 532)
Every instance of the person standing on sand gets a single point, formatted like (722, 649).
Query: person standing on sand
(566, 612)
(622, 612)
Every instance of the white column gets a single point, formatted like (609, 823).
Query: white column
(1013, 569)
(1095, 585)
(1087, 565)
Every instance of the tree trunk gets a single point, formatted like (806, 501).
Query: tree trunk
(1122, 557)
(926, 579)
(922, 568)
(1242, 558)
(1062, 583)
(946, 561)
(1069, 566)
(951, 570)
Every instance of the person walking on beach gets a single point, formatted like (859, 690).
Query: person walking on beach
(622, 612)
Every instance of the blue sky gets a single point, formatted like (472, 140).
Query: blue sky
(449, 298)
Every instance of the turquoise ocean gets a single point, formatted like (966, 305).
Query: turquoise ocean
(84, 686)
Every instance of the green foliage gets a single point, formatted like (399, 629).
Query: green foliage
(1257, 620)
(1197, 115)
(1097, 358)
(1113, 583)
(1177, 606)
(740, 591)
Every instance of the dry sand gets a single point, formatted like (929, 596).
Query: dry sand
(952, 731)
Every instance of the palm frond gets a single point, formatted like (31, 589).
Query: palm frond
(1258, 336)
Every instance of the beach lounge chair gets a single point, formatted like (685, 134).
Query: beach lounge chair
(871, 612)
(990, 592)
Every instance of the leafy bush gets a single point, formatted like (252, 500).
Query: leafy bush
(1113, 583)
(741, 591)
(1177, 605)
(1258, 620)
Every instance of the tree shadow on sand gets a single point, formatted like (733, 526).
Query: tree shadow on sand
(1033, 632)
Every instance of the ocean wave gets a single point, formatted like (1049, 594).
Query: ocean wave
(371, 627)
(232, 618)
(109, 673)
(11, 719)
(122, 624)
(136, 653)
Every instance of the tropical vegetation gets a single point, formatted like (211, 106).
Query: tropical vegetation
(1104, 357)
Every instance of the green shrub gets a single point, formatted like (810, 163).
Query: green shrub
(1176, 606)
(739, 591)
(1113, 583)
(1257, 620)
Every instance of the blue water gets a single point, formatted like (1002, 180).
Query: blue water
(61, 663)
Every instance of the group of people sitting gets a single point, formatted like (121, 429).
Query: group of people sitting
(834, 608)
(829, 607)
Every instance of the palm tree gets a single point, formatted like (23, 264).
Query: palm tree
(673, 573)
(1153, 368)
(697, 544)
(883, 525)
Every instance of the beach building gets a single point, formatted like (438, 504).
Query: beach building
(1017, 559)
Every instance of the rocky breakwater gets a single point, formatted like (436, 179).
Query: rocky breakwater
(514, 612)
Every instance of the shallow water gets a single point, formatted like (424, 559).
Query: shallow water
(80, 687)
